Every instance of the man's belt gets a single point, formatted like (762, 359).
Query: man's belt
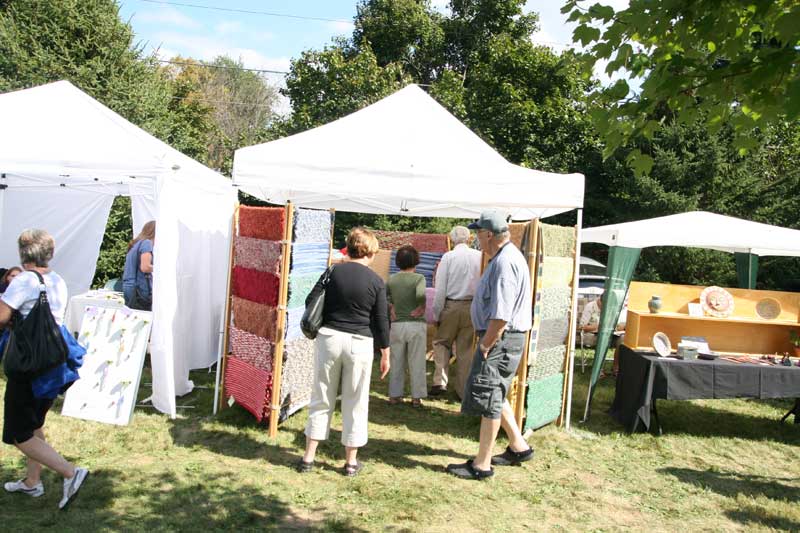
(458, 299)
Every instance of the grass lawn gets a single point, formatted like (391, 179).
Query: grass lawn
(723, 465)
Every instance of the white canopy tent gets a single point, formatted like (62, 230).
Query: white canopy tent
(699, 229)
(63, 159)
(403, 155)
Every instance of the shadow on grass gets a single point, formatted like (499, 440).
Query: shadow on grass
(164, 503)
(731, 485)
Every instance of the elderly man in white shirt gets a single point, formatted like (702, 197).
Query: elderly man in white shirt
(456, 280)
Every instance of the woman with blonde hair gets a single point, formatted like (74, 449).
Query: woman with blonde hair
(137, 278)
(355, 316)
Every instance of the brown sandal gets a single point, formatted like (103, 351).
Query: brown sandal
(395, 401)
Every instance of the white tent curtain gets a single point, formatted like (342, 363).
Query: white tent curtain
(63, 159)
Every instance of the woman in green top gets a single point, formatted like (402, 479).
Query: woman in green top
(408, 336)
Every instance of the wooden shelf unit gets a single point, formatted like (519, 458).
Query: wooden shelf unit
(743, 332)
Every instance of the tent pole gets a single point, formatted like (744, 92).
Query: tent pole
(277, 356)
(570, 363)
(222, 354)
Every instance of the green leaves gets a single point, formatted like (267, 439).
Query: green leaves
(585, 34)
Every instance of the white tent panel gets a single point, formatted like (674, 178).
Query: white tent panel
(404, 155)
(76, 219)
(699, 229)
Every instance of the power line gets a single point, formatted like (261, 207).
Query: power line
(206, 65)
(245, 11)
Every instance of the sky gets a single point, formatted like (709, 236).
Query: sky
(269, 42)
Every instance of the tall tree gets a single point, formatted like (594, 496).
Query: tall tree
(724, 63)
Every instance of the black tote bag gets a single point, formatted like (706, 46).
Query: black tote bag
(315, 305)
(35, 344)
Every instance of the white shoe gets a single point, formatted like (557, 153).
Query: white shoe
(72, 486)
(20, 486)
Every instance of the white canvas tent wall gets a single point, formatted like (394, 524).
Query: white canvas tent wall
(695, 229)
(63, 159)
(403, 155)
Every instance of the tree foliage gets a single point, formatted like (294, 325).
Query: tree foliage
(731, 63)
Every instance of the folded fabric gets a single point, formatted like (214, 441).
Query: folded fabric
(558, 241)
(312, 225)
(254, 350)
(552, 332)
(309, 257)
(250, 387)
(300, 286)
(544, 401)
(293, 319)
(259, 287)
(555, 302)
(297, 374)
(268, 223)
(257, 254)
(557, 272)
(428, 261)
(545, 363)
(259, 319)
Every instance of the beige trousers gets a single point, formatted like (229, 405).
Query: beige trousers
(408, 343)
(455, 327)
(346, 359)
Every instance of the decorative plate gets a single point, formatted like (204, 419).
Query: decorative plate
(768, 308)
(717, 302)
(662, 344)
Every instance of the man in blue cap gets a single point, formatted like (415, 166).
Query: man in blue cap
(501, 314)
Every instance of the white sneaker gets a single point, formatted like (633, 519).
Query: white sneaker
(20, 486)
(72, 486)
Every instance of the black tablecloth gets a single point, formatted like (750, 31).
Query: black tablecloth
(644, 377)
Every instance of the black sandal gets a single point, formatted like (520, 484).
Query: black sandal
(467, 471)
(352, 470)
(304, 467)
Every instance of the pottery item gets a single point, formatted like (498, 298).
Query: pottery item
(655, 304)
(768, 308)
(661, 344)
(716, 302)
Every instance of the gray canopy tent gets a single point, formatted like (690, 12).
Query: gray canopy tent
(696, 229)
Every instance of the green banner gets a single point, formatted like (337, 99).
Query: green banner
(746, 270)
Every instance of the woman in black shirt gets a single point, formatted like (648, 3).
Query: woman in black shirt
(355, 315)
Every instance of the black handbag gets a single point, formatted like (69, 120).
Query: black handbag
(141, 301)
(35, 344)
(315, 305)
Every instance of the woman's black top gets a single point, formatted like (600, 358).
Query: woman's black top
(355, 302)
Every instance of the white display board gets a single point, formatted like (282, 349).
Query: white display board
(116, 342)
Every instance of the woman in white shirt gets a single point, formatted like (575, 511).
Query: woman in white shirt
(26, 402)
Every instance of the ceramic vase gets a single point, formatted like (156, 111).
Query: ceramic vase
(654, 304)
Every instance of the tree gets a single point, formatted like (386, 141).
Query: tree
(724, 63)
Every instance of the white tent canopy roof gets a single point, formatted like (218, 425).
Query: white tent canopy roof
(62, 135)
(699, 229)
(404, 155)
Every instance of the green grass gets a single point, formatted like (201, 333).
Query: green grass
(721, 465)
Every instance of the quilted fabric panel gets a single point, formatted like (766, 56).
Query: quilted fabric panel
(268, 223)
(254, 350)
(257, 254)
(259, 287)
(312, 225)
(249, 386)
(255, 318)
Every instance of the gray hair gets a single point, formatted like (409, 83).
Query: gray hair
(459, 235)
(36, 246)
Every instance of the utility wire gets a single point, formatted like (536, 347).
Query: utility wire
(206, 65)
(246, 11)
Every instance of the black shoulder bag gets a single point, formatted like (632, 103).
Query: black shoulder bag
(35, 344)
(315, 305)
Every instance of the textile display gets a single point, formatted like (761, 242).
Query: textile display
(293, 318)
(267, 223)
(517, 233)
(545, 363)
(255, 318)
(556, 302)
(259, 287)
(381, 265)
(299, 288)
(251, 349)
(546, 395)
(310, 258)
(312, 225)
(557, 271)
(427, 265)
(297, 375)
(257, 254)
(116, 341)
(558, 241)
(248, 386)
(423, 242)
